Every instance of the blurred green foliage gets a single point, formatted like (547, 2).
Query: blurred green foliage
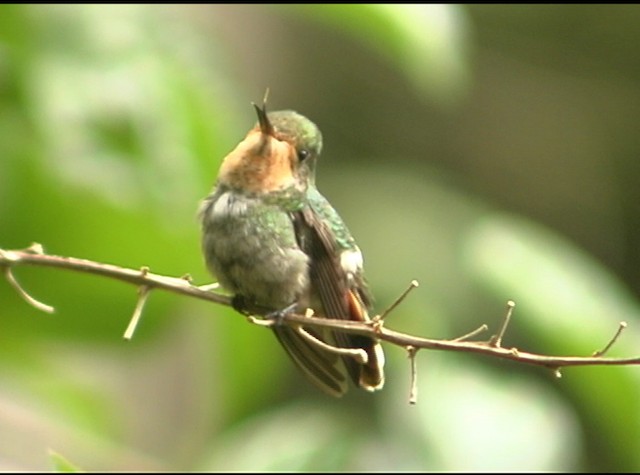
(61, 464)
(488, 151)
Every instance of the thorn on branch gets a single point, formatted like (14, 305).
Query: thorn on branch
(413, 392)
(601, 352)
(35, 248)
(145, 281)
(412, 285)
(143, 294)
(357, 353)
(480, 329)
(496, 340)
(260, 321)
(23, 293)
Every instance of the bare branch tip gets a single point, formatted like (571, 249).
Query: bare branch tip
(482, 328)
(143, 294)
(413, 391)
(260, 321)
(412, 285)
(360, 356)
(496, 340)
(621, 327)
(24, 294)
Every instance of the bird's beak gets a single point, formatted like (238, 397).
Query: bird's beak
(265, 126)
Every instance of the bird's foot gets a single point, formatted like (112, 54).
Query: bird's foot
(278, 315)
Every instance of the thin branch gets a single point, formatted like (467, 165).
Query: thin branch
(356, 353)
(496, 340)
(24, 294)
(260, 321)
(413, 392)
(133, 276)
(621, 327)
(143, 294)
(471, 334)
(513, 354)
(11, 259)
(412, 285)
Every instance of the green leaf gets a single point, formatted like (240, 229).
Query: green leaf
(426, 42)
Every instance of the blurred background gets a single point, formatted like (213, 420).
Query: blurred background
(490, 152)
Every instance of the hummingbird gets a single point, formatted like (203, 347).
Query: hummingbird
(276, 243)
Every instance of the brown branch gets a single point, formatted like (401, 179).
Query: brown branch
(481, 347)
(33, 256)
(179, 285)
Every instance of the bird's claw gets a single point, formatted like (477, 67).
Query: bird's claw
(279, 315)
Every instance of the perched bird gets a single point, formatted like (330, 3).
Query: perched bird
(279, 246)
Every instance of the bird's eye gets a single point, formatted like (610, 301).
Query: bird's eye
(303, 154)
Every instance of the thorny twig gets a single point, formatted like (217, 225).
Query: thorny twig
(147, 281)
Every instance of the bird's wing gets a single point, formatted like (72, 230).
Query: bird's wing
(323, 368)
(341, 291)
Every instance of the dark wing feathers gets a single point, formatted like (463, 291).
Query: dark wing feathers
(321, 367)
(327, 276)
(341, 297)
